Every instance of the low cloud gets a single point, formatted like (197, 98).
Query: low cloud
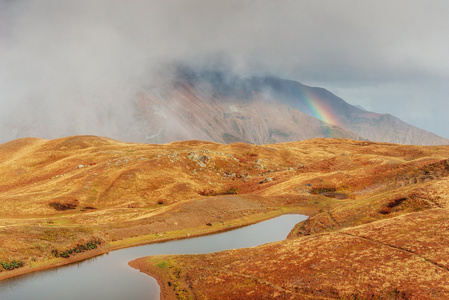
(66, 65)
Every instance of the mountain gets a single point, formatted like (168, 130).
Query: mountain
(222, 107)
(188, 112)
(324, 105)
(217, 106)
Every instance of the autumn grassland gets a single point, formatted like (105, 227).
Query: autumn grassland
(378, 223)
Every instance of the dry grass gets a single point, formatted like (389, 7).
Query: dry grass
(377, 211)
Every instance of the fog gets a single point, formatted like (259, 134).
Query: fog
(73, 67)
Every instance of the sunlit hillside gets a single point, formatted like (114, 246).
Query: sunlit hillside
(362, 198)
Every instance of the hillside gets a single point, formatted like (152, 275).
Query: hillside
(377, 226)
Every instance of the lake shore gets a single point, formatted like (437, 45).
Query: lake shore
(148, 266)
(142, 240)
(95, 276)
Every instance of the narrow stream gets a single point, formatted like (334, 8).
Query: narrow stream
(109, 276)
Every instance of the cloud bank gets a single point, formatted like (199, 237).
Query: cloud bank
(66, 66)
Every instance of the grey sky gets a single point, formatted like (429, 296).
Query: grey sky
(62, 60)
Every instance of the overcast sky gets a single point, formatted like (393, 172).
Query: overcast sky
(387, 56)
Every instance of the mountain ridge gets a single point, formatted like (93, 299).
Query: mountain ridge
(219, 106)
(266, 109)
(224, 119)
(370, 125)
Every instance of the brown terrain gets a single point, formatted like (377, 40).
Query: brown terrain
(378, 225)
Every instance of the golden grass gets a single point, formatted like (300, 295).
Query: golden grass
(127, 194)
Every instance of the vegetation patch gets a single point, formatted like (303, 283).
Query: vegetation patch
(164, 265)
(229, 191)
(63, 206)
(174, 279)
(14, 264)
(79, 248)
(393, 203)
(86, 208)
(321, 190)
(335, 195)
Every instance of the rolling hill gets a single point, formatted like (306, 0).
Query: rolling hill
(377, 224)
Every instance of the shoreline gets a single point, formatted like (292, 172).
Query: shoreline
(151, 270)
(122, 244)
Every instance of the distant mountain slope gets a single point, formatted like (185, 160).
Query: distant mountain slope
(326, 106)
(221, 107)
(191, 112)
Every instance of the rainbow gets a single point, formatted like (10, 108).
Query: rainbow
(319, 108)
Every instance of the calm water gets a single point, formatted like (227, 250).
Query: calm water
(109, 276)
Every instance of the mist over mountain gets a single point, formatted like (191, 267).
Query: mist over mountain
(74, 67)
(212, 104)
(241, 103)
(328, 107)
(222, 107)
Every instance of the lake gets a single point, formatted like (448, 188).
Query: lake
(109, 277)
